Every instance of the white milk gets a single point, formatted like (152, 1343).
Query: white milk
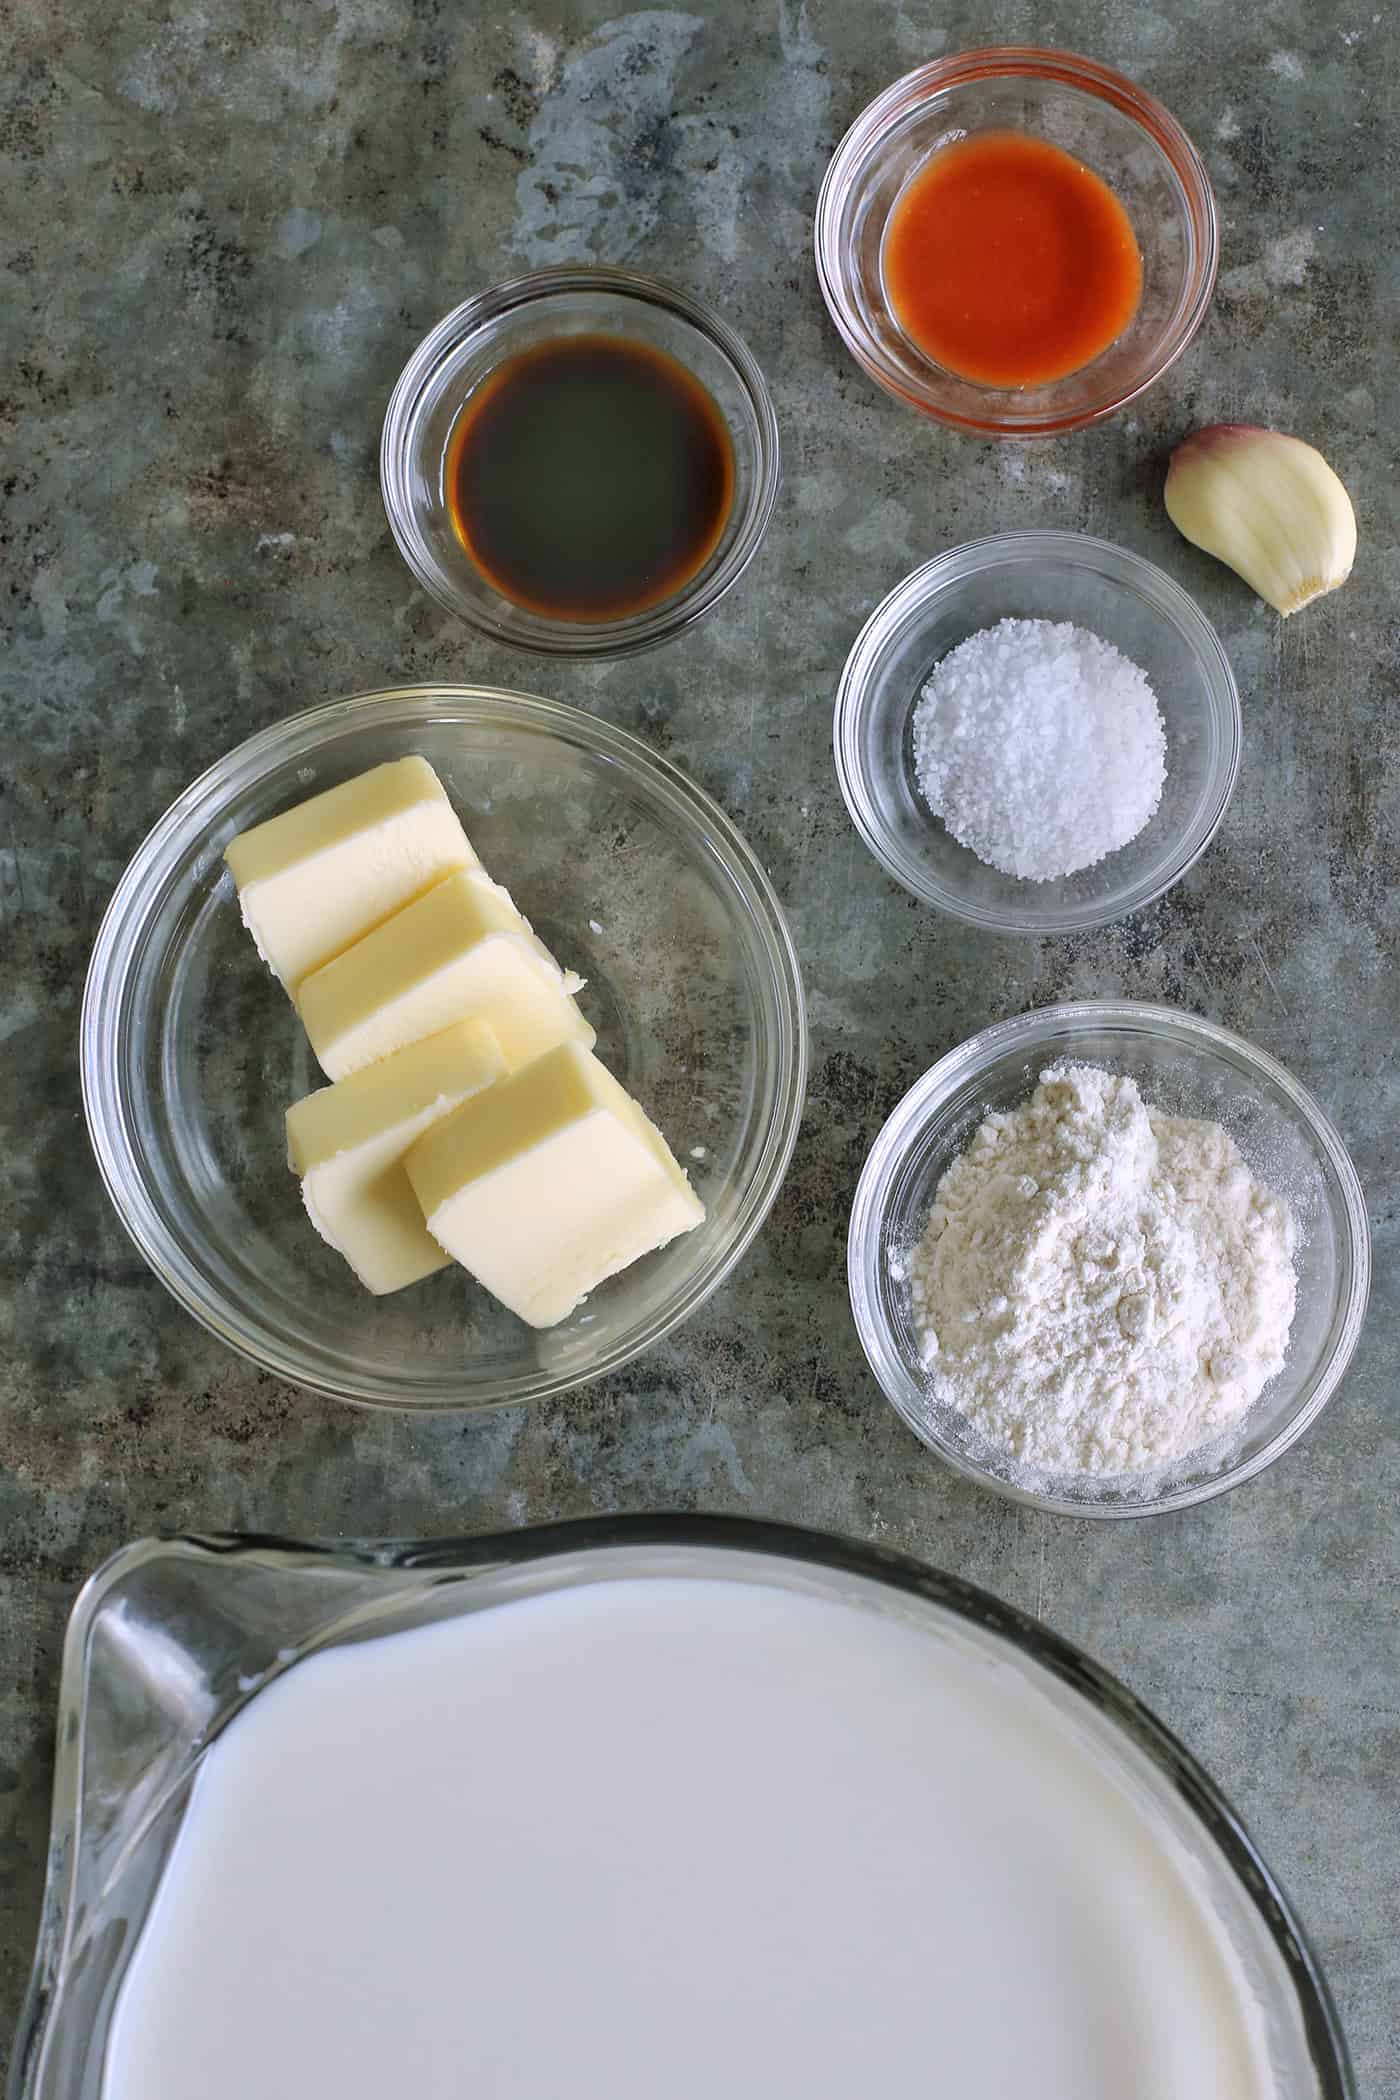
(673, 1840)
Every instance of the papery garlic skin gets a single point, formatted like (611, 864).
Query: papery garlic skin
(1267, 504)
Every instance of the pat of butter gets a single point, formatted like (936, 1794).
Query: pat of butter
(347, 1143)
(318, 877)
(548, 1183)
(460, 953)
(572, 981)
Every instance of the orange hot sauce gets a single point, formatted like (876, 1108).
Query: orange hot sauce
(1009, 262)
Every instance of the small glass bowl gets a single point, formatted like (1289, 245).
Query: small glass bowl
(1184, 1066)
(1141, 152)
(473, 341)
(191, 1053)
(1045, 576)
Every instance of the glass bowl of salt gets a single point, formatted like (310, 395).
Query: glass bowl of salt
(999, 752)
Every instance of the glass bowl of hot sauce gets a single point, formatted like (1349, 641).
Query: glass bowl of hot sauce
(1016, 241)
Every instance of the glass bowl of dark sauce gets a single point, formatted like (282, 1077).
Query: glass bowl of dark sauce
(581, 461)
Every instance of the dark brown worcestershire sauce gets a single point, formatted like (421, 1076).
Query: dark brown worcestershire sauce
(590, 477)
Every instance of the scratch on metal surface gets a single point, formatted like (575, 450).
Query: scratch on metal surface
(1271, 980)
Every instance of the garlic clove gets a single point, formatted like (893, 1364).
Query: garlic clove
(1267, 504)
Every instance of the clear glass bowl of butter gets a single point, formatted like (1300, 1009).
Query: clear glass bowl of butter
(191, 1052)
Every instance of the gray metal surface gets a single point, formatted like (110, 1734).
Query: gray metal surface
(225, 225)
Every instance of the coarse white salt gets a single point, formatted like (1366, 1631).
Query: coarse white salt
(1040, 746)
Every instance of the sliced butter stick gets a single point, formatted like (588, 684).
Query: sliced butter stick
(572, 981)
(347, 1143)
(459, 953)
(548, 1183)
(318, 877)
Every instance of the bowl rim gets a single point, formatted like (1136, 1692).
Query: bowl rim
(144, 883)
(1024, 1031)
(1018, 548)
(1014, 61)
(604, 638)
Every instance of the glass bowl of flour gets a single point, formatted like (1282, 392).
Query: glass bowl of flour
(1037, 740)
(1158, 1244)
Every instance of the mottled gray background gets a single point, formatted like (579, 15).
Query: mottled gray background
(224, 225)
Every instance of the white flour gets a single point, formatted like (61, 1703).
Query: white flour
(1101, 1288)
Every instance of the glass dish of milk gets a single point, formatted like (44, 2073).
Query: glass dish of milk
(632, 1808)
